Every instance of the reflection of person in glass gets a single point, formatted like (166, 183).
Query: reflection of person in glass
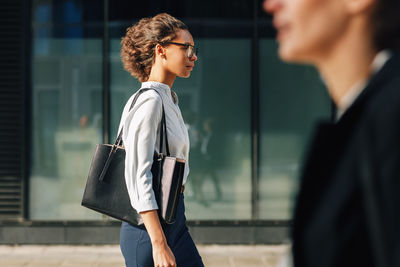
(348, 207)
(206, 162)
(155, 50)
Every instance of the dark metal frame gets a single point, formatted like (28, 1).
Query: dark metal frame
(112, 222)
(97, 232)
(106, 77)
(255, 115)
(26, 103)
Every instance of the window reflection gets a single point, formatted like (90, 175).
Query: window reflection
(292, 99)
(67, 114)
(216, 110)
(215, 103)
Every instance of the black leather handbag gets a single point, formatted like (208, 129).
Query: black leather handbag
(106, 190)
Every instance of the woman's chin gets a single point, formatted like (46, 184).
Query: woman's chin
(286, 54)
(185, 75)
(291, 55)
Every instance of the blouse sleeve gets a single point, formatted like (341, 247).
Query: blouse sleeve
(139, 137)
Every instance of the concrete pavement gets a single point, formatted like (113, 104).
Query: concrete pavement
(110, 256)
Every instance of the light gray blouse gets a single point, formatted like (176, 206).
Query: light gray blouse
(141, 139)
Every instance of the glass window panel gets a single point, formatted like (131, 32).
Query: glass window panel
(122, 85)
(215, 103)
(129, 10)
(292, 99)
(67, 114)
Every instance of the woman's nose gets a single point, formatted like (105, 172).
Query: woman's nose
(271, 6)
(194, 57)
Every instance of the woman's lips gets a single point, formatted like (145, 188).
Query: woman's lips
(282, 29)
(282, 32)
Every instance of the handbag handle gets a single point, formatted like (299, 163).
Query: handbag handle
(118, 141)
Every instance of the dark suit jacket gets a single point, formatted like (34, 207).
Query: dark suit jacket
(332, 226)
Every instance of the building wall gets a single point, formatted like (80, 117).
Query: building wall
(259, 110)
(14, 95)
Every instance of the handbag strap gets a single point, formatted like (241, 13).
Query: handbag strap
(163, 128)
(118, 141)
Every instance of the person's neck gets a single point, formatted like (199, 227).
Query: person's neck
(348, 64)
(158, 74)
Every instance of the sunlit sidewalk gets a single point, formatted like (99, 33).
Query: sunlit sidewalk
(104, 256)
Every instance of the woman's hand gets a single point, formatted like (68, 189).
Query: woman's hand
(162, 254)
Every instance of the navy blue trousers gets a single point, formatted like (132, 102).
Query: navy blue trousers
(136, 245)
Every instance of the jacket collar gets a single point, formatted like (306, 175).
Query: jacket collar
(374, 86)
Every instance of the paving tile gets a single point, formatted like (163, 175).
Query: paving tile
(6, 250)
(214, 261)
(77, 265)
(59, 248)
(28, 250)
(13, 262)
(79, 261)
(110, 256)
(111, 264)
(43, 264)
(114, 259)
(81, 257)
(97, 249)
(248, 261)
(45, 260)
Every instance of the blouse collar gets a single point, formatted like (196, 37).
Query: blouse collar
(161, 87)
(156, 85)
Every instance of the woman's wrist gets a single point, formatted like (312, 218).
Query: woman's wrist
(158, 241)
(154, 229)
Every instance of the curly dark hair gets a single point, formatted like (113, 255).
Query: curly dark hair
(138, 45)
(386, 24)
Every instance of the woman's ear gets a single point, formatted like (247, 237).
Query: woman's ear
(160, 51)
(359, 6)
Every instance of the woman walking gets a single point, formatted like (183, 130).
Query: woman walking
(155, 50)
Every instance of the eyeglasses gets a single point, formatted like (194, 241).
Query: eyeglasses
(190, 49)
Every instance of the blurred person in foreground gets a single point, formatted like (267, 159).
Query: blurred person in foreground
(348, 209)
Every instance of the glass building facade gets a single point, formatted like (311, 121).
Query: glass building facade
(248, 114)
